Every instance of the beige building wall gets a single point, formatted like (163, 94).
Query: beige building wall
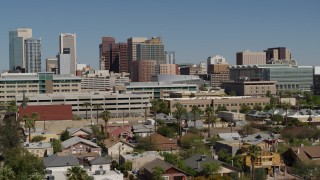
(248, 57)
(146, 68)
(168, 69)
(231, 103)
(250, 88)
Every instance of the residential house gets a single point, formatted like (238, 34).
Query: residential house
(116, 146)
(308, 154)
(140, 159)
(123, 132)
(170, 172)
(142, 130)
(231, 146)
(77, 145)
(99, 168)
(266, 141)
(82, 132)
(56, 166)
(161, 143)
(229, 136)
(270, 161)
(197, 162)
(49, 136)
(40, 149)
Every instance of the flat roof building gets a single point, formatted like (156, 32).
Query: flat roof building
(250, 88)
(248, 57)
(288, 77)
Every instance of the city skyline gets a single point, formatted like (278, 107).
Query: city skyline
(194, 30)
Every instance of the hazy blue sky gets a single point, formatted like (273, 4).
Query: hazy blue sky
(193, 29)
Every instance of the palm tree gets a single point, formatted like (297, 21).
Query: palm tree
(12, 108)
(86, 104)
(178, 113)
(97, 107)
(286, 106)
(105, 115)
(77, 173)
(28, 123)
(195, 111)
(253, 152)
(35, 117)
(6, 173)
(210, 116)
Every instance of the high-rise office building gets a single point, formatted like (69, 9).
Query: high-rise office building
(248, 57)
(64, 62)
(170, 57)
(68, 41)
(151, 49)
(17, 47)
(113, 56)
(277, 53)
(52, 65)
(33, 55)
(132, 49)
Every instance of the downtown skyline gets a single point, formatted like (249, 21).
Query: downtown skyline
(193, 30)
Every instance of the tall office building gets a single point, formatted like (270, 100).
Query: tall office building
(64, 62)
(151, 49)
(17, 47)
(170, 57)
(113, 56)
(278, 53)
(52, 65)
(68, 41)
(33, 55)
(132, 49)
(248, 57)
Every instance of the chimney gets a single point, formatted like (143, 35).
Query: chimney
(298, 151)
(198, 165)
(203, 157)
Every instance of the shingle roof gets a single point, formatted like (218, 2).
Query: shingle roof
(60, 161)
(76, 129)
(308, 153)
(162, 143)
(193, 162)
(100, 160)
(76, 140)
(160, 163)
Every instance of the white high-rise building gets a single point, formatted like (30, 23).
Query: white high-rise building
(64, 61)
(68, 45)
(132, 49)
(17, 47)
(217, 59)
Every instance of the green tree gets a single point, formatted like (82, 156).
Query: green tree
(65, 135)
(97, 107)
(157, 173)
(232, 93)
(224, 156)
(245, 109)
(9, 134)
(221, 108)
(285, 106)
(127, 166)
(29, 123)
(178, 113)
(253, 152)
(6, 173)
(164, 108)
(12, 108)
(56, 145)
(166, 131)
(196, 111)
(86, 105)
(77, 173)
(260, 174)
(155, 107)
(277, 118)
(23, 163)
(105, 115)
(257, 107)
(38, 138)
(209, 169)
(210, 118)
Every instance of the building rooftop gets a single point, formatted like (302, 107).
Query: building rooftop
(60, 161)
(146, 154)
(36, 145)
(76, 140)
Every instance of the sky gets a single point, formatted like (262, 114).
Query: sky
(193, 29)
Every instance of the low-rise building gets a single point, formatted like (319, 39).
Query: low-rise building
(82, 132)
(39, 149)
(232, 103)
(76, 145)
(161, 143)
(170, 171)
(306, 155)
(132, 104)
(12, 84)
(250, 88)
(116, 147)
(140, 159)
(99, 168)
